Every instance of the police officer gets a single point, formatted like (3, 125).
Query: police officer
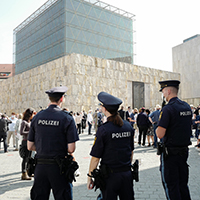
(175, 129)
(53, 135)
(114, 145)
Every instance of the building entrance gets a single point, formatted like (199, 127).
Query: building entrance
(138, 94)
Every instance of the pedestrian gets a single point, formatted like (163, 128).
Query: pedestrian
(4, 121)
(52, 135)
(100, 116)
(17, 131)
(128, 113)
(132, 118)
(89, 120)
(150, 133)
(175, 129)
(78, 122)
(74, 115)
(95, 119)
(154, 119)
(143, 125)
(83, 121)
(197, 132)
(113, 148)
(122, 112)
(11, 131)
(24, 130)
(196, 112)
(135, 127)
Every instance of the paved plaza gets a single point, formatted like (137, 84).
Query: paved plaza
(148, 188)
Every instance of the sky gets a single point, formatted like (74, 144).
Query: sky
(160, 25)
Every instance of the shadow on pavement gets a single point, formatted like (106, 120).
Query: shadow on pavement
(14, 173)
(12, 184)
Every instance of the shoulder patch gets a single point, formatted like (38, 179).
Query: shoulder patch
(94, 140)
(160, 115)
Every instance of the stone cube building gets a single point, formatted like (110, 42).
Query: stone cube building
(186, 61)
(85, 77)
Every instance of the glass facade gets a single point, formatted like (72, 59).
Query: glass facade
(62, 27)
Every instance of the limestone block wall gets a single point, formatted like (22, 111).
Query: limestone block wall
(85, 77)
(186, 61)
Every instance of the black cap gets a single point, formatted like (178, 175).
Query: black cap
(109, 101)
(169, 83)
(57, 91)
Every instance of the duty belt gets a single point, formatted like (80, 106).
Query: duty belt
(46, 161)
(121, 169)
(176, 150)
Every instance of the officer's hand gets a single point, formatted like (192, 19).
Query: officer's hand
(90, 183)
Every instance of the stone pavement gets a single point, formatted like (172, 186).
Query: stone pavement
(148, 188)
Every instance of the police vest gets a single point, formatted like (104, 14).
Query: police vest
(179, 132)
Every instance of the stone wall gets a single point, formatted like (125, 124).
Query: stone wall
(85, 77)
(186, 61)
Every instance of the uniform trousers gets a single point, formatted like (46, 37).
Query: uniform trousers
(119, 185)
(47, 177)
(155, 126)
(174, 174)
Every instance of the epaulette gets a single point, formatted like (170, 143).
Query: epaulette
(67, 112)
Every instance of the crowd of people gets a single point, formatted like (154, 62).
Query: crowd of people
(196, 124)
(144, 122)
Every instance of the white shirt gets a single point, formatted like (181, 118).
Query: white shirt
(12, 125)
(89, 118)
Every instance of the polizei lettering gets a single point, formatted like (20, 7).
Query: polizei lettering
(185, 113)
(121, 135)
(48, 122)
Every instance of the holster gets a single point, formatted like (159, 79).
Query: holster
(67, 167)
(162, 149)
(135, 170)
(99, 176)
(159, 148)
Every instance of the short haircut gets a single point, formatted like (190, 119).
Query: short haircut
(174, 90)
(55, 97)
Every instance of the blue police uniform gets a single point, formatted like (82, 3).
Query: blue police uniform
(51, 130)
(114, 145)
(176, 118)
